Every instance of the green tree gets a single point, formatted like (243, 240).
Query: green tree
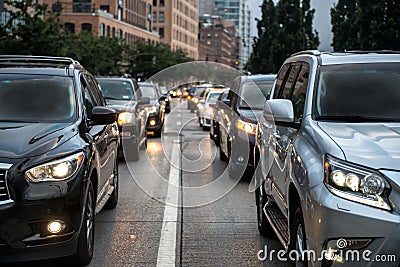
(284, 28)
(366, 25)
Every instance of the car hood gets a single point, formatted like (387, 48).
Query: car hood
(19, 140)
(250, 115)
(375, 145)
(121, 105)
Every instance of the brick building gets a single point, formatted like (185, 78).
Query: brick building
(176, 21)
(218, 41)
(129, 19)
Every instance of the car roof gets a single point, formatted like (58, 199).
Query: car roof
(260, 77)
(113, 79)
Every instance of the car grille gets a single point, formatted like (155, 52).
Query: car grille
(4, 194)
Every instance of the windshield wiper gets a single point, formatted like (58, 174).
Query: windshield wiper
(356, 118)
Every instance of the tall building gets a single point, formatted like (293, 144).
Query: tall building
(206, 7)
(240, 13)
(129, 19)
(176, 21)
(218, 41)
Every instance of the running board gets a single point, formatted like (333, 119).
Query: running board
(104, 200)
(278, 222)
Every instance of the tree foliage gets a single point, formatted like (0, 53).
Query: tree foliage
(366, 25)
(283, 29)
(32, 30)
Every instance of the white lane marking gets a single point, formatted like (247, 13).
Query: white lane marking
(178, 115)
(167, 247)
(178, 123)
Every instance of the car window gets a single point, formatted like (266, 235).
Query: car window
(299, 92)
(117, 89)
(213, 96)
(289, 83)
(97, 94)
(26, 98)
(360, 91)
(280, 79)
(254, 94)
(148, 91)
(89, 100)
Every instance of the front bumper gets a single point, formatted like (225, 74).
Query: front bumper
(23, 223)
(242, 149)
(158, 122)
(328, 217)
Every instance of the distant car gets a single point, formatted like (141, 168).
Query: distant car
(155, 109)
(204, 110)
(238, 123)
(216, 113)
(58, 159)
(194, 94)
(166, 97)
(120, 94)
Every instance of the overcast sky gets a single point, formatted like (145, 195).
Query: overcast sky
(321, 20)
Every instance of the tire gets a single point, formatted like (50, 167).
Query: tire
(113, 200)
(264, 227)
(144, 143)
(84, 250)
(200, 122)
(298, 237)
(222, 155)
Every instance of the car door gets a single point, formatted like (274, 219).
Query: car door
(294, 89)
(102, 136)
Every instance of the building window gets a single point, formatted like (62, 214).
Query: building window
(161, 32)
(154, 16)
(108, 31)
(216, 35)
(69, 27)
(216, 43)
(161, 16)
(161, 2)
(208, 43)
(208, 35)
(119, 33)
(154, 2)
(102, 29)
(113, 32)
(105, 8)
(119, 13)
(86, 27)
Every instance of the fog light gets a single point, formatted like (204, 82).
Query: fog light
(55, 227)
(152, 122)
(240, 159)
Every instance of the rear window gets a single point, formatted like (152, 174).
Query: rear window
(116, 90)
(36, 98)
(254, 94)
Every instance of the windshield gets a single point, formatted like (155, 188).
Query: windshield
(199, 90)
(254, 94)
(212, 97)
(116, 90)
(362, 91)
(148, 91)
(36, 98)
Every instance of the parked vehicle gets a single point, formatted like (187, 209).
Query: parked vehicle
(329, 144)
(238, 123)
(58, 154)
(156, 108)
(203, 107)
(120, 95)
(194, 94)
(166, 98)
(216, 113)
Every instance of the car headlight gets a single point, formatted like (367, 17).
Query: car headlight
(246, 127)
(54, 171)
(151, 109)
(195, 100)
(125, 117)
(356, 183)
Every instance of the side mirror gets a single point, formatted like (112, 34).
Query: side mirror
(144, 101)
(103, 115)
(279, 110)
(226, 102)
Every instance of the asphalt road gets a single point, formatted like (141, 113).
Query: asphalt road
(214, 223)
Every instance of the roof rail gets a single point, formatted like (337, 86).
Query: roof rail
(39, 60)
(307, 52)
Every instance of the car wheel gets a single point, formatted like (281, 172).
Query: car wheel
(84, 251)
(264, 227)
(206, 128)
(222, 155)
(144, 143)
(298, 237)
(113, 200)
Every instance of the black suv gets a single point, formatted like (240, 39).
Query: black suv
(121, 95)
(58, 159)
(238, 122)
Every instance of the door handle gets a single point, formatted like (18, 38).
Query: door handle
(277, 136)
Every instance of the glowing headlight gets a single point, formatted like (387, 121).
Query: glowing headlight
(125, 117)
(247, 127)
(356, 183)
(151, 109)
(56, 170)
(195, 100)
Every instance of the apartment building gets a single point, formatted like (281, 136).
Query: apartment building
(128, 19)
(176, 22)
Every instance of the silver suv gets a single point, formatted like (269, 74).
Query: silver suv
(328, 178)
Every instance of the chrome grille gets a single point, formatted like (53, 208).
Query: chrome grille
(4, 193)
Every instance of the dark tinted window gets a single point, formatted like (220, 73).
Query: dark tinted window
(280, 79)
(359, 90)
(288, 86)
(116, 90)
(36, 98)
(299, 92)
